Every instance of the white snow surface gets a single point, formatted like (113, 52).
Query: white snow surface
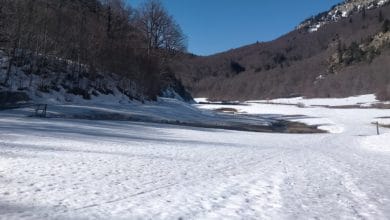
(377, 142)
(56, 168)
(362, 100)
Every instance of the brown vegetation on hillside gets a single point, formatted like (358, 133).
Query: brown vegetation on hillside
(340, 59)
(106, 36)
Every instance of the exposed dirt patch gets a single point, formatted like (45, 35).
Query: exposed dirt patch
(222, 103)
(226, 110)
(278, 126)
(301, 128)
(381, 106)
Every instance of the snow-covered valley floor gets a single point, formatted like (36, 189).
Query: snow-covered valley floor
(83, 169)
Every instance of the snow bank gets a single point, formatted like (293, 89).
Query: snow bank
(379, 143)
(198, 100)
(311, 112)
(332, 128)
(363, 100)
(283, 112)
(383, 121)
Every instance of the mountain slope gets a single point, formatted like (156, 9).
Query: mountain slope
(321, 63)
(86, 48)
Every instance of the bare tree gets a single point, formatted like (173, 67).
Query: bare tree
(14, 34)
(99, 36)
(159, 28)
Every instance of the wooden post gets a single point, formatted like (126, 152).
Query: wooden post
(40, 110)
(377, 128)
(44, 111)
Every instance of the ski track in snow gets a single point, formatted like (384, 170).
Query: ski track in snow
(80, 169)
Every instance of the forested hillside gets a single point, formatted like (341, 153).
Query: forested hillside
(69, 42)
(339, 53)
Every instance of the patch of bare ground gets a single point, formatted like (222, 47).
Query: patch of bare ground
(280, 126)
(382, 105)
(277, 126)
(271, 103)
(227, 110)
(301, 128)
(222, 103)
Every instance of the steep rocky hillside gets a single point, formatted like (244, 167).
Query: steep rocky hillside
(343, 56)
(45, 79)
(340, 11)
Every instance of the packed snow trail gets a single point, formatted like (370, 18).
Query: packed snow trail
(80, 169)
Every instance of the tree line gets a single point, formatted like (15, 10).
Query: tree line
(105, 35)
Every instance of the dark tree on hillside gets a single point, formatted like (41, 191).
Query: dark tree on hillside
(386, 26)
(364, 13)
(353, 54)
(340, 51)
(236, 67)
(380, 17)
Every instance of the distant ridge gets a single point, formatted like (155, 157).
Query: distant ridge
(342, 52)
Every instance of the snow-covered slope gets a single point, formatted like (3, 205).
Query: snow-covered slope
(357, 101)
(342, 10)
(84, 169)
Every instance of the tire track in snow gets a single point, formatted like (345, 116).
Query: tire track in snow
(254, 192)
(319, 184)
(225, 172)
(362, 205)
(354, 169)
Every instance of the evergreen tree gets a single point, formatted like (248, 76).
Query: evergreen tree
(386, 26)
(380, 17)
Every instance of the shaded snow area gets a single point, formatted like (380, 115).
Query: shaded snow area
(358, 101)
(71, 168)
(171, 111)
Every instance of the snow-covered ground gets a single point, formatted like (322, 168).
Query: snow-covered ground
(362, 101)
(59, 168)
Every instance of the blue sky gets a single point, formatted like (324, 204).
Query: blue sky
(218, 25)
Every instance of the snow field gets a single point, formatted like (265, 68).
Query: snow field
(84, 169)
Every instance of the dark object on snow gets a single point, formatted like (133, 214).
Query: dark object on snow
(377, 128)
(8, 98)
(40, 110)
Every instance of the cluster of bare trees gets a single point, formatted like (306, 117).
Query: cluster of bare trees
(105, 35)
(159, 28)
